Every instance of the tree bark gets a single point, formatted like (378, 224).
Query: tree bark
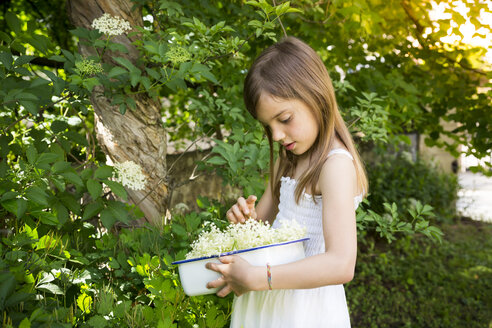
(137, 135)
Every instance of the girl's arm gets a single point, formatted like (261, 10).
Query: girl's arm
(336, 266)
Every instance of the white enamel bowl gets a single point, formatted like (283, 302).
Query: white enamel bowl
(194, 276)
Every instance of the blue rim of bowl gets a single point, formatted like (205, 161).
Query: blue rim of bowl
(238, 251)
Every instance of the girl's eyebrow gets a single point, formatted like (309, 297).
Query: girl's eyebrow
(279, 113)
(275, 116)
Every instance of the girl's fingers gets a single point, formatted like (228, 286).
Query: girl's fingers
(251, 200)
(224, 291)
(243, 205)
(227, 259)
(213, 266)
(230, 216)
(216, 283)
(243, 209)
(238, 214)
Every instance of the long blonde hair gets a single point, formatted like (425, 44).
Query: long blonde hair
(290, 69)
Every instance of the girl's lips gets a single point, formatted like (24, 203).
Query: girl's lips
(289, 146)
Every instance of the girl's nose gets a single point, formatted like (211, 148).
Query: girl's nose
(277, 135)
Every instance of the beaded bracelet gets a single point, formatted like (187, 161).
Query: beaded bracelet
(269, 276)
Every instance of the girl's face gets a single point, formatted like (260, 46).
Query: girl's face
(291, 122)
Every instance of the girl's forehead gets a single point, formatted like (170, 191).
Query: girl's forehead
(269, 107)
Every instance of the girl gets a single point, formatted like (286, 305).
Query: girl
(318, 180)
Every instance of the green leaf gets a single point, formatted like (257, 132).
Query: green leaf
(61, 212)
(115, 71)
(135, 77)
(32, 154)
(7, 286)
(57, 58)
(84, 302)
(59, 126)
(116, 188)
(179, 230)
(39, 42)
(216, 160)
(68, 55)
(118, 210)
(6, 59)
(3, 168)
(117, 47)
(37, 195)
(8, 196)
(46, 158)
(61, 167)
(51, 288)
(131, 103)
(94, 187)
(58, 182)
(122, 108)
(15, 45)
(80, 32)
(5, 37)
(76, 137)
(98, 321)
(90, 83)
(17, 298)
(153, 73)
(204, 71)
(22, 60)
(103, 172)
(91, 210)
(25, 323)
(70, 201)
(10, 205)
(21, 207)
(125, 63)
(45, 217)
(31, 107)
(73, 178)
(13, 22)
(107, 218)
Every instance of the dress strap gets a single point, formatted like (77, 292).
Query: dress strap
(340, 151)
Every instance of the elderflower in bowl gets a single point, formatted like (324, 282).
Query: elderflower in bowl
(255, 241)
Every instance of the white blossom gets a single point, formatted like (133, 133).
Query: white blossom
(74, 120)
(251, 234)
(111, 25)
(130, 175)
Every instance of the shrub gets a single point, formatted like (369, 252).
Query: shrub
(415, 284)
(396, 178)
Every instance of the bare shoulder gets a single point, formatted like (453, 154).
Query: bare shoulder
(338, 174)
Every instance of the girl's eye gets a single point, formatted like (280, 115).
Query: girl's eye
(286, 120)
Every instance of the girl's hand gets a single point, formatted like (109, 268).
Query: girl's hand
(242, 210)
(238, 275)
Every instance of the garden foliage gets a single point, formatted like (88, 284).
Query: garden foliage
(68, 256)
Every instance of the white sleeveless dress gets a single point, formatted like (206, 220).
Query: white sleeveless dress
(291, 308)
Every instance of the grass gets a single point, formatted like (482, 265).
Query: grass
(416, 283)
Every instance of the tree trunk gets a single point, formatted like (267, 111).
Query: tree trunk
(137, 135)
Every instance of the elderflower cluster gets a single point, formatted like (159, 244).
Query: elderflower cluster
(130, 175)
(110, 25)
(178, 55)
(251, 234)
(89, 67)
